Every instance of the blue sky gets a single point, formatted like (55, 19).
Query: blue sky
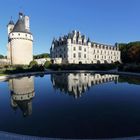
(104, 21)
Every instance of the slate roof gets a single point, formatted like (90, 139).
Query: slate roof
(20, 26)
(11, 22)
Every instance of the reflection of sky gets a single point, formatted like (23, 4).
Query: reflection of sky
(100, 110)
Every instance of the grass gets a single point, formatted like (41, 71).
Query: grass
(2, 74)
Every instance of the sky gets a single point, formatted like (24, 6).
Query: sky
(103, 21)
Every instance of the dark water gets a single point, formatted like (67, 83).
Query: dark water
(71, 106)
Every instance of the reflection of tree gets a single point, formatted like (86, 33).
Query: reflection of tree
(130, 80)
(22, 92)
(77, 84)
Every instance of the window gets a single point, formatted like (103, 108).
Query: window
(74, 49)
(80, 48)
(85, 49)
(84, 55)
(79, 55)
(74, 55)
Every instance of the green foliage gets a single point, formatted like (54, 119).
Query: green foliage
(44, 55)
(33, 64)
(130, 80)
(129, 68)
(1, 56)
(47, 64)
(37, 68)
(130, 53)
(83, 67)
(21, 68)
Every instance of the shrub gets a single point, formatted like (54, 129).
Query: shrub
(83, 67)
(129, 67)
(33, 64)
(47, 64)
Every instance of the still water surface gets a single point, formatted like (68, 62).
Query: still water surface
(71, 106)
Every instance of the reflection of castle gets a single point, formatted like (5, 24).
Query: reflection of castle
(77, 84)
(22, 92)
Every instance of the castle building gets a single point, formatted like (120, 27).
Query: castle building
(20, 41)
(75, 48)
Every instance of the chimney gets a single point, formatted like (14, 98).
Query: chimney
(27, 23)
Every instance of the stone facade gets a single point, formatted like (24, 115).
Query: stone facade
(75, 48)
(20, 41)
(42, 61)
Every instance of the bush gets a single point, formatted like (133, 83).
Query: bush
(33, 64)
(83, 67)
(129, 67)
(47, 64)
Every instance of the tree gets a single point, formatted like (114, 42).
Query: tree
(130, 52)
(1, 56)
(134, 54)
(44, 55)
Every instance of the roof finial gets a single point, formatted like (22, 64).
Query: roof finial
(11, 21)
(21, 9)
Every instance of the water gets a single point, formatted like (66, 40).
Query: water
(71, 106)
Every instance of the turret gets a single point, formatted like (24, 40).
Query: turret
(69, 39)
(88, 41)
(10, 26)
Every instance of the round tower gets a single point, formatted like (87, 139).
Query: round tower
(20, 41)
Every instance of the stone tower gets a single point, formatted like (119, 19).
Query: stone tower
(20, 41)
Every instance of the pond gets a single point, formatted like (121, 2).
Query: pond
(81, 105)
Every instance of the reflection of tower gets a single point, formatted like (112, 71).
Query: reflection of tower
(22, 92)
(77, 84)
